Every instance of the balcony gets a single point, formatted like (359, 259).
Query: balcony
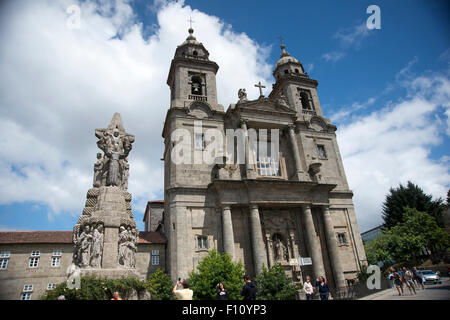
(197, 98)
(310, 112)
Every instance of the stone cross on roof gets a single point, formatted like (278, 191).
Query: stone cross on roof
(190, 22)
(260, 86)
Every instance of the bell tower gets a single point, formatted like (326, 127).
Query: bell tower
(192, 76)
(296, 86)
(193, 111)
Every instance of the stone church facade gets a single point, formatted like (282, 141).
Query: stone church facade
(273, 209)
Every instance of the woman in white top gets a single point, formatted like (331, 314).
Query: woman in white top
(308, 289)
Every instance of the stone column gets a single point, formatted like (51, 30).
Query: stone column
(259, 256)
(248, 166)
(313, 243)
(227, 229)
(110, 248)
(298, 164)
(332, 247)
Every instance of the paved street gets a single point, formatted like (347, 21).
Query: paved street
(431, 292)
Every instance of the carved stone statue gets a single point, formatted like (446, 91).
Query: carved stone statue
(281, 99)
(280, 250)
(84, 247)
(116, 145)
(242, 95)
(125, 173)
(97, 247)
(127, 247)
(98, 171)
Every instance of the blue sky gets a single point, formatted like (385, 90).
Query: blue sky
(387, 91)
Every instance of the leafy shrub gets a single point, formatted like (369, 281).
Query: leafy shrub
(273, 284)
(95, 288)
(160, 286)
(213, 269)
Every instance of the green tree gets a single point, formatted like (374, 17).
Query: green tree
(406, 241)
(377, 250)
(213, 269)
(160, 286)
(410, 196)
(273, 284)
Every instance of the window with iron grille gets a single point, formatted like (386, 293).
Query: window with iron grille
(56, 261)
(25, 296)
(34, 262)
(4, 264)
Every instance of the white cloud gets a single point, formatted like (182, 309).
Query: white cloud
(333, 56)
(347, 111)
(348, 38)
(59, 84)
(352, 36)
(393, 145)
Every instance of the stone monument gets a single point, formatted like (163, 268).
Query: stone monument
(106, 236)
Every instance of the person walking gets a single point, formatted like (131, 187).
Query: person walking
(407, 279)
(308, 289)
(221, 292)
(249, 289)
(397, 281)
(324, 289)
(417, 278)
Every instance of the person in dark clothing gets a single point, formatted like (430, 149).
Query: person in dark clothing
(221, 292)
(249, 289)
(324, 290)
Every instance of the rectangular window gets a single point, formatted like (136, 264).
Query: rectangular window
(202, 242)
(155, 257)
(25, 296)
(56, 261)
(321, 151)
(267, 164)
(199, 142)
(155, 260)
(341, 238)
(34, 262)
(35, 253)
(57, 253)
(5, 254)
(4, 264)
(28, 288)
(51, 286)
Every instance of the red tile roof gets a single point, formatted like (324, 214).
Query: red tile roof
(7, 237)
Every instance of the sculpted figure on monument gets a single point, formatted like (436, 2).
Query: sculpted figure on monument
(97, 247)
(98, 171)
(242, 95)
(280, 250)
(125, 173)
(84, 247)
(116, 145)
(127, 247)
